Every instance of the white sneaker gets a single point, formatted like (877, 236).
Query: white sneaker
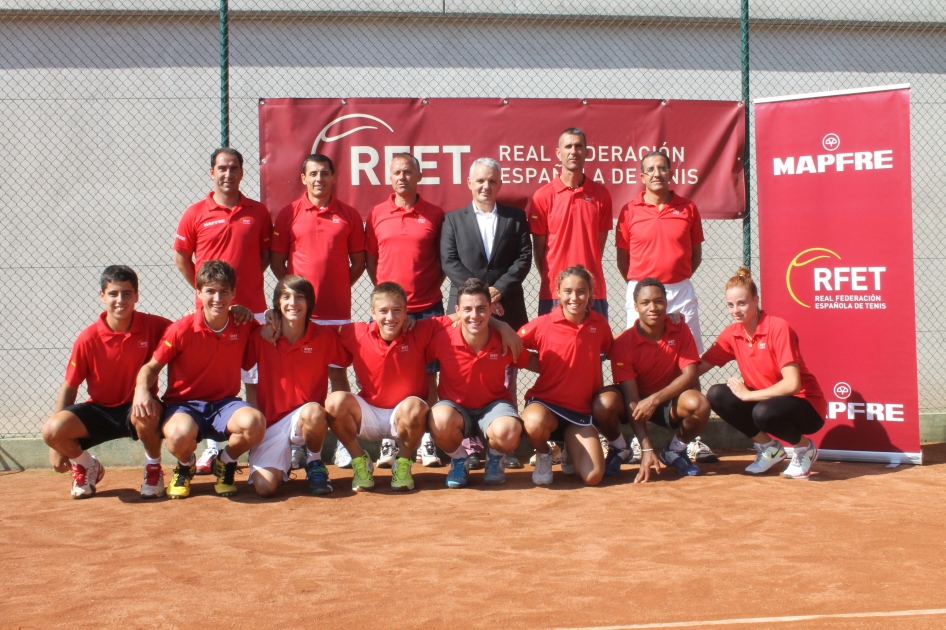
(765, 458)
(556, 453)
(542, 475)
(299, 457)
(800, 467)
(635, 451)
(568, 466)
(427, 453)
(697, 451)
(205, 464)
(389, 451)
(342, 456)
(153, 485)
(84, 480)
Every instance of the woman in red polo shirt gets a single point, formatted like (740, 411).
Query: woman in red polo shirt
(777, 397)
(568, 343)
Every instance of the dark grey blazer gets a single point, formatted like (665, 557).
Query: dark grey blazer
(463, 257)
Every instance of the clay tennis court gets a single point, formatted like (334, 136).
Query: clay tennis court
(854, 541)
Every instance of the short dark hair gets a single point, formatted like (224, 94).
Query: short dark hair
(573, 131)
(216, 271)
(649, 282)
(318, 158)
(225, 151)
(577, 270)
(293, 282)
(473, 286)
(656, 154)
(387, 289)
(118, 273)
(406, 156)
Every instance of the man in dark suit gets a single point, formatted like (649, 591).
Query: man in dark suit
(489, 241)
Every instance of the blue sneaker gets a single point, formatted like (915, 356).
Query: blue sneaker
(317, 475)
(612, 463)
(459, 472)
(679, 462)
(494, 474)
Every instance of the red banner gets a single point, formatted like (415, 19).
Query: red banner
(836, 245)
(704, 140)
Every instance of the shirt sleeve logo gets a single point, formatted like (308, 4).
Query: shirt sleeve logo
(168, 343)
(72, 363)
(179, 237)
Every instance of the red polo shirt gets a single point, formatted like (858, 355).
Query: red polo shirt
(407, 244)
(653, 365)
(472, 379)
(291, 375)
(203, 365)
(571, 219)
(569, 358)
(318, 242)
(109, 361)
(238, 236)
(389, 372)
(660, 242)
(762, 358)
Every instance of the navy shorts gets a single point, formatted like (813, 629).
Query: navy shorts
(103, 424)
(434, 311)
(211, 418)
(564, 416)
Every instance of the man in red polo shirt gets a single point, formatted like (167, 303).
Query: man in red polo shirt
(231, 227)
(403, 243)
(660, 235)
(107, 356)
(323, 240)
(205, 351)
(570, 218)
(655, 371)
(474, 400)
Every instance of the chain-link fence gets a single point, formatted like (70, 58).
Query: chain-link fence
(109, 116)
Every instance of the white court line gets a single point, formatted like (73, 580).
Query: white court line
(756, 620)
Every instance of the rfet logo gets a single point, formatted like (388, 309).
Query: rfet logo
(844, 286)
(365, 159)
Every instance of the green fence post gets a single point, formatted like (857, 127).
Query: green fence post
(747, 217)
(224, 75)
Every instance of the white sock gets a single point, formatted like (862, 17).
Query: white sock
(214, 446)
(84, 459)
(676, 444)
(460, 453)
(312, 457)
(801, 449)
(151, 461)
(494, 452)
(619, 443)
(190, 462)
(225, 457)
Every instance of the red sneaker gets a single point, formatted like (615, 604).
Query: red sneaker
(84, 480)
(205, 465)
(153, 485)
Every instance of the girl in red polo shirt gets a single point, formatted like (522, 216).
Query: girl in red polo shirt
(777, 397)
(568, 343)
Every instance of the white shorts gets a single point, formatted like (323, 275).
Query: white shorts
(275, 451)
(378, 423)
(332, 322)
(251, 376)
(681, 298)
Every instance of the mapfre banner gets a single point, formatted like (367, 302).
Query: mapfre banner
(704, 140)
(836, 246)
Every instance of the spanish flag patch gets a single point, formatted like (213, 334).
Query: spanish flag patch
(168, 343)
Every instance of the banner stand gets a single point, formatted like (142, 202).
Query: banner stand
(877, 457)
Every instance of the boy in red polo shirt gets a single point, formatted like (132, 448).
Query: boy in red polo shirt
(293, 383)
(389, 361)
(655, 368)
(402, 235)
(107, 356)
(204, 352)
(474, 400)
(227, 226)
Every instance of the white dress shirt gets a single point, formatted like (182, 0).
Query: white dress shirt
(487, 224)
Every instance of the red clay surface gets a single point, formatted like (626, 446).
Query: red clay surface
(855, 538)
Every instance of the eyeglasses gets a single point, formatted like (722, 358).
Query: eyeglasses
(662, 169)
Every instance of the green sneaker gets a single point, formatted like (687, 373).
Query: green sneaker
(362, 480)
(401, 475)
